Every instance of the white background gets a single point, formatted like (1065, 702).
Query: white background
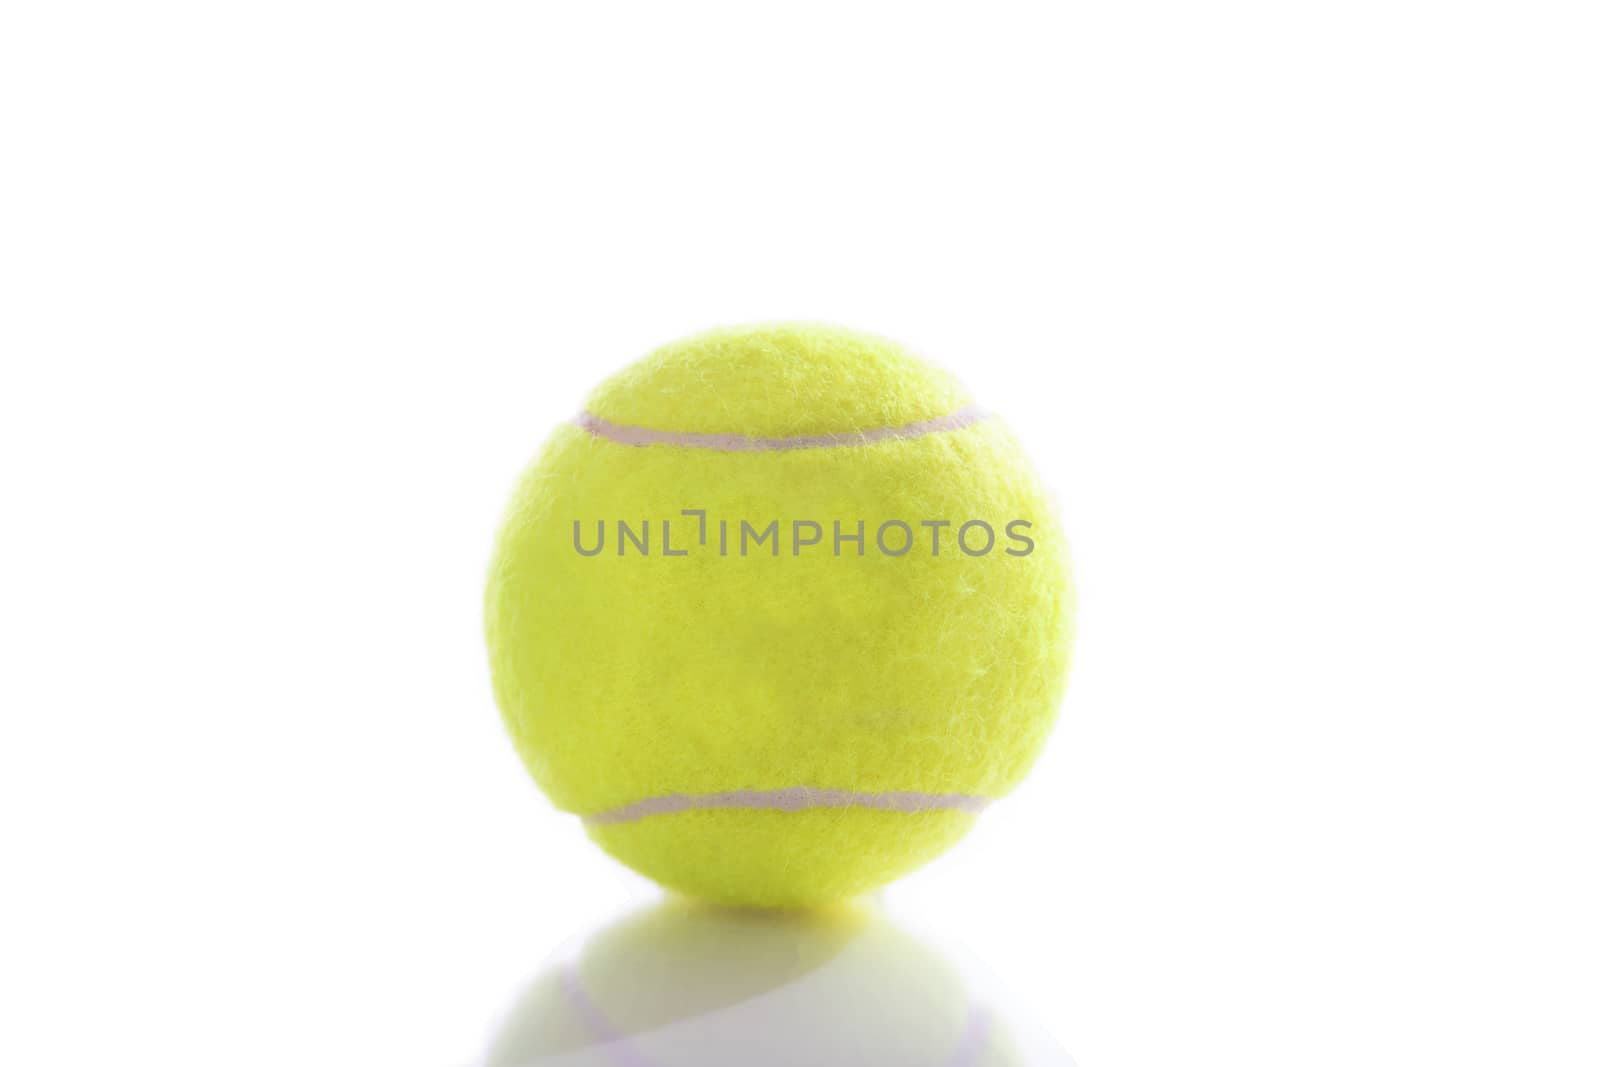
(1295, 305)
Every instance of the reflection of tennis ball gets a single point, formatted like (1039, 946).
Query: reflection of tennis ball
(779, 614)
(688, 985)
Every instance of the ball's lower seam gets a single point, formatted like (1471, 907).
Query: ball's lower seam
(794, 798)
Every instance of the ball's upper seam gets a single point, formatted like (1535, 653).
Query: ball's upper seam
(641, 436)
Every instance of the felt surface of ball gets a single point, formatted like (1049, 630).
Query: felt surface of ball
(779, 614)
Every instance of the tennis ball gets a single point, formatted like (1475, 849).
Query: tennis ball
(687, 985)
(779, 614)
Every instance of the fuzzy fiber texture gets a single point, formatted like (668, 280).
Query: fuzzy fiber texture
(626, 676)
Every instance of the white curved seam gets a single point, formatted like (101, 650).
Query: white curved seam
(792, 799)
(641, 436)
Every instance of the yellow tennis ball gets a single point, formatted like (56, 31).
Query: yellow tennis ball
(779, 614)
